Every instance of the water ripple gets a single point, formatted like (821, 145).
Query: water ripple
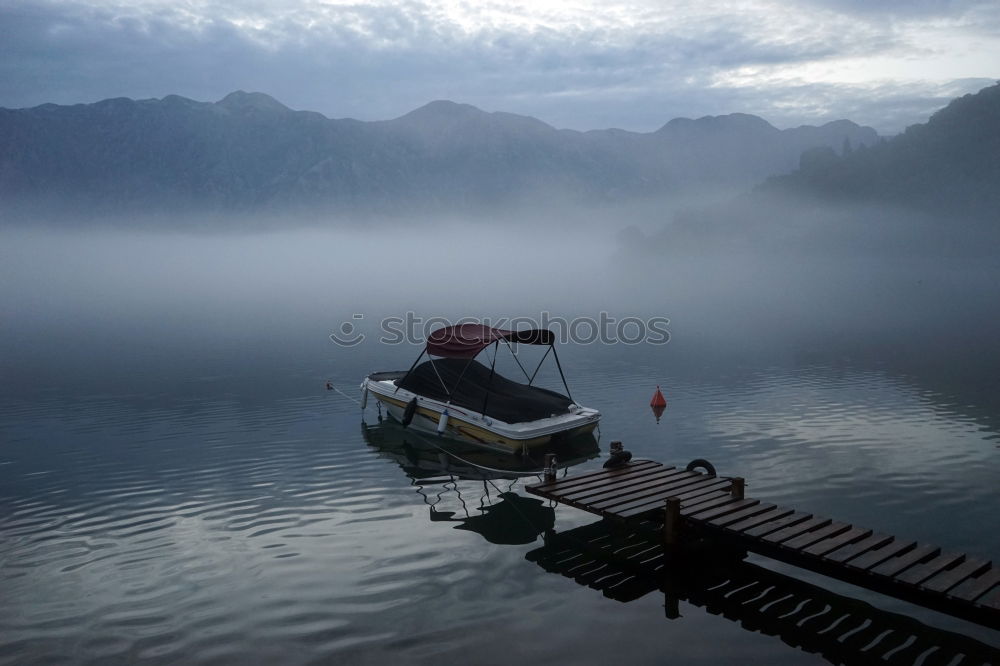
(217, 531)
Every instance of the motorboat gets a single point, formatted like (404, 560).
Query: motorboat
(453, 395)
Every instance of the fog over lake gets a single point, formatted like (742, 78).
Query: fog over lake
(788, 287)
(164, 407)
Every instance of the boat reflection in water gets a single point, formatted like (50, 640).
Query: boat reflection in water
(474, 487)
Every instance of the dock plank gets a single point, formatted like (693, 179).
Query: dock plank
(809, 538)
(688, 495)
(708, 499)
(725, 498)
(655, 500)
(917, 574)
(631, 497)
(724, 509)
(735, 517)
(645, 506)
(777, 524)
(568, 481)
(945, 580)
(599, 488)
(846, 553)
(773, 514)
(894, 565)
(990, 600)
(617, 472)
(973, 588)
(792, 531)
(876, 556)
(832, 543)
(667, 489)
(691, 504)
(613, 481)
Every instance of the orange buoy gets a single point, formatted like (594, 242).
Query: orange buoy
(658, 404)
(658, 399)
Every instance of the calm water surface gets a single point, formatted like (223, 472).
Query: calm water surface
(201, 498)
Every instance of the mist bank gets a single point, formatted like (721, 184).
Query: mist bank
(887, 248)
(146, 317)
(249, 154)
(769, 224)
(872, 284)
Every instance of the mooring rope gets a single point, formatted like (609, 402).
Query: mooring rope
(334, 388)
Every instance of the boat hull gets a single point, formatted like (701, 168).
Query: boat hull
(467, 426)
(424, 456)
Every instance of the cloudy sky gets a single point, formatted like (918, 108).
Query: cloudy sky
(588, 64)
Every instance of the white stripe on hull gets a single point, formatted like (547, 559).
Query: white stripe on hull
(474, 428)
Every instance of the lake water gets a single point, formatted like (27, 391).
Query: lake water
(178, 486)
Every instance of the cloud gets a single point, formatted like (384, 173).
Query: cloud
(902, 8)
(631, 64)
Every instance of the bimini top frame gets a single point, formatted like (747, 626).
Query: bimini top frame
(468, 340)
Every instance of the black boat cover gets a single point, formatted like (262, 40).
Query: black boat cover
(508, 401)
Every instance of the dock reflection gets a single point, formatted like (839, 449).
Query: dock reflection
(626, 565)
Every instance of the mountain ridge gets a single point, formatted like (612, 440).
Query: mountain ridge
(951, 163)
(249, 152)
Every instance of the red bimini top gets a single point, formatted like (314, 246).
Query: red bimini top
(467, 340)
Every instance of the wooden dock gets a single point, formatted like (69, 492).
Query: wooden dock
(628, 563)
(691, 503)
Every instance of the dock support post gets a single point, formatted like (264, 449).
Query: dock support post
(738, 486)
(671, 521)
(671, 600)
